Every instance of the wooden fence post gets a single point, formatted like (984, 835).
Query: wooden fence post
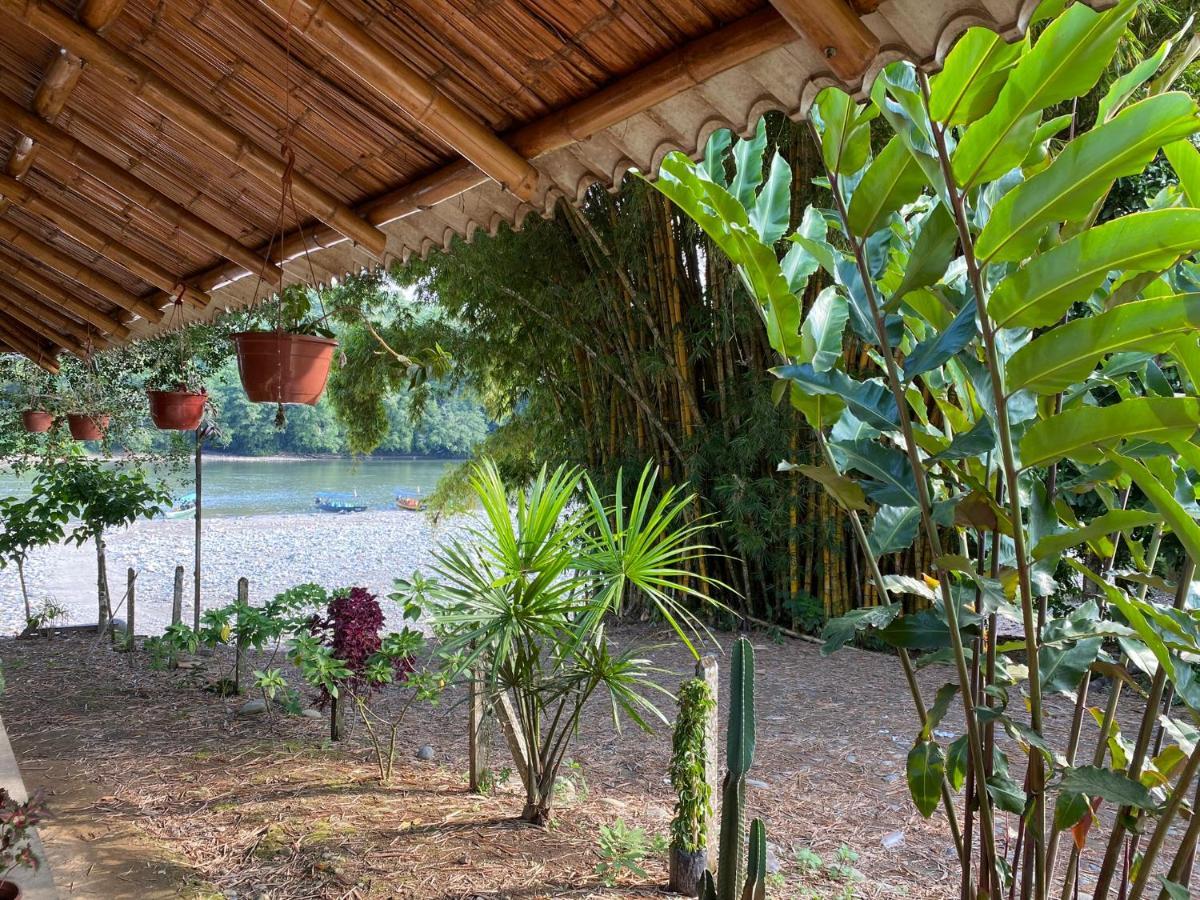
(130, 598)
(243, 595)
(177, 598)
(479, 734)
(707, 669)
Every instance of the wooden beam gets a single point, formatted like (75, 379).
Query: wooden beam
(27, 344)
(206, 126)
(30, 278)
(19, 161)
(364, 58)
(86, 335)
(19, 316)
(99, 14)
(834, 28)
(56, 85)
(77, 271)
(69, 224)
(87, 160)
(670, 75)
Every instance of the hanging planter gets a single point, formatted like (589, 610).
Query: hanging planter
(37, 421)
(87, 426)
(281, 367)
(177, 410)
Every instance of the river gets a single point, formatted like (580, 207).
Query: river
(237, 486)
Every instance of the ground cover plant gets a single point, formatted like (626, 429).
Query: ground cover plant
(1021, 354)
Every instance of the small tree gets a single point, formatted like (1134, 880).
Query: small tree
(103, 497)
(525, 602)
(37, 521)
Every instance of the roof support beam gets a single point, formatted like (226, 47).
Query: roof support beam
(71, 225)
(14, 313)
(78, 272)
(35, 281)
(348, 44)
(834, 28)
(99, 14)
(142, 83)
(672, 74)
(87, 160)
(51, 315)
(19, 161)
(24, 343)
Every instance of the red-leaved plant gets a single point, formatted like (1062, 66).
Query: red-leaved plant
(351, 630)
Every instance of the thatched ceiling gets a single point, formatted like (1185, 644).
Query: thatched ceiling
(140, 141)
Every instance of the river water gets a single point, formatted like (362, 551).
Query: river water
(248, 487)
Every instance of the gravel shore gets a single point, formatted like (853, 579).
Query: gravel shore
(370, 549)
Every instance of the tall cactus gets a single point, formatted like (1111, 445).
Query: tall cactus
(737, 880)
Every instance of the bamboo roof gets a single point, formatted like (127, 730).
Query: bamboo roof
(141, 141)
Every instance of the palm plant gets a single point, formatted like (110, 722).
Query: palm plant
(522, 602)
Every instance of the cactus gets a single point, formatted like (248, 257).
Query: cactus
(739, 878)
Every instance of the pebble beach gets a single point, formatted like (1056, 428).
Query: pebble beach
(274, 551)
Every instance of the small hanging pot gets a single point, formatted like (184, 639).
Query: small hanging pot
(87, 426)
(280, 367)
(10, 890)
(36, 421)
(177, 410)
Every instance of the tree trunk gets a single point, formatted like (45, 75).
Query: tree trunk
(105, 611)
(199, 506)
(24, 590)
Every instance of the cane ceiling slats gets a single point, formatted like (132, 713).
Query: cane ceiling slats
(583, 90)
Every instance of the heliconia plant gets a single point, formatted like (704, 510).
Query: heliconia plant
(986, 358)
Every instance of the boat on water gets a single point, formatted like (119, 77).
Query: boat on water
(337, 502)
(410, 499)
(183, 506)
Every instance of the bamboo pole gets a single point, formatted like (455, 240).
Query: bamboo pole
(206, 126)
(20, 273)
(833, 28)
(114, 176)
(367, 60)
(13, 296)
(57, 83)
(78, 272)
(684, 68)
(99, 14)
(14, 313)
(29, 347)
(130, 608)
(20, 158)
(96, 240)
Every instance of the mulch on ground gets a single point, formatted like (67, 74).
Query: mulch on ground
(158, 789)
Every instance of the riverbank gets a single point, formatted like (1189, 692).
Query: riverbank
(274, 551)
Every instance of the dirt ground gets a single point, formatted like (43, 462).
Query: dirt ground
(158, 789)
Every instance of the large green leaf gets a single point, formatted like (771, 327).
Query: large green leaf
(892, 180)
(838, 632)
(1067, 189)
(773, 206)
(1065, 63)
(1123, 87)
(1043, 290)
(1082, 432)
(845, 131)
(925, 768)
(1062, 668)
(1067, 355)
(891, 480)
(747, 158)
(869, 400)
(821, 333)
(931, 353)
(972, 76)
(931, 254)
(1109, 523)
(1106, 784)
(1163, 498)
(846, 491)
(894, 529)
(1185, 160)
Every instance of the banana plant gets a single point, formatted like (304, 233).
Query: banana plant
(1031, 405)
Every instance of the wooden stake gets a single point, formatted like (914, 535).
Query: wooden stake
(143, 83)
(96, 240)
(479, 734)
(16, 271)
(78, 272)
(177, 598)
(349, 45)
(835, 29)
(199, 521)
(243, 596)
(87, 160)
(131, 607)
(707, 669)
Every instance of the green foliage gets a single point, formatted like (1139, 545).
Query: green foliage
(694, 799)
(622, 849)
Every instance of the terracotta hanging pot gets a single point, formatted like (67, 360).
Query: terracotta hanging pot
(177, 410)
(36, 421)
(279, 367)
(10, 890)
(87, 426)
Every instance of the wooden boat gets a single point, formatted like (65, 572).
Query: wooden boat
(410, 499)
(183, 506)
(330, 501)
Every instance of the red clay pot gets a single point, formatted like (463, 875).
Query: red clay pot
(10, 890)
(277, 367)
(177, 410)
(36, 422)
(87, 427)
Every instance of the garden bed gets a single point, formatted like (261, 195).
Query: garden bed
(158, 788)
